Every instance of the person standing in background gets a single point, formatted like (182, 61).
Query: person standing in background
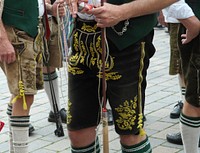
(21, 52)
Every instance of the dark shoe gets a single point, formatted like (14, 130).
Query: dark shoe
(31, 129)
(177, 110)
(63, 116)
(144, 118)
(110, 117)
(175, 138)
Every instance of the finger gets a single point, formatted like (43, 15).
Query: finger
(74, 6)
(183, 36)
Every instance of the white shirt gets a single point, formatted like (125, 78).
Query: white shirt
(179, 10)
(41, 7)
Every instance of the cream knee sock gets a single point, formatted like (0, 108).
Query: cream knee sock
(190, 131)
(9, 113)
(54, 78)
(20, 131)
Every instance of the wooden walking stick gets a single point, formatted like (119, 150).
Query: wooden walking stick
(104, 110)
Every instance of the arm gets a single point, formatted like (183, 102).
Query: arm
(161, 18)
(181, 11)
(192, 24)
(110, 15)
(7, 52)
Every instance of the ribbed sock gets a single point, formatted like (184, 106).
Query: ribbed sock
(9, 113)
(20, 131)
(142, 147)
(92, 148)
(190, 131)
(54, 78)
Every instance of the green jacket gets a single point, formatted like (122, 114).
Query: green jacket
(22, 14)
(136, 30)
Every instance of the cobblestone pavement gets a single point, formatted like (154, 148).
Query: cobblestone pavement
(162, 94)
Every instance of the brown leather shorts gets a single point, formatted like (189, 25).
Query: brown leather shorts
(28, 65)
(175, 59)
(54, 45)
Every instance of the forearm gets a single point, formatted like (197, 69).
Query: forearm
(190, 23)
(142, 7)
(3, 34)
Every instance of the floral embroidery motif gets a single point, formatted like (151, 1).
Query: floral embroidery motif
(89, 28)
(127, 114)
(69, 116)
(75, 70)
(87, 51)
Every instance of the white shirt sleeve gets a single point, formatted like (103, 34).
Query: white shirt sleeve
(180, 10)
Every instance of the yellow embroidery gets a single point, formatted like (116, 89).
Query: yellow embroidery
(88, 28)
(140, 125)
(110, 76)
(75, 70)
(69, 116)
(75, 43)
(127, 114)
(89, 53)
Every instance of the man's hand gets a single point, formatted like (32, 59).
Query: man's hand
(7, 52)
(107, 15)
(192, 25)
(73, 6)
(58, 8)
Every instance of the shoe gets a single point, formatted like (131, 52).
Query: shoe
(175, 138)
(110, 117)
(177, 110)
(144, 118)
(159, 26)
(31, 129)
(63, 116)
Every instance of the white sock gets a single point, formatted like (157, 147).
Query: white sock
(190, 131)
(54, 78)
(9, 113)
(20, 131)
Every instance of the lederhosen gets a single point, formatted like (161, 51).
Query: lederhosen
(127, 62)
(21, 21)
(190, 56)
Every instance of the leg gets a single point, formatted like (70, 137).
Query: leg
(55, 61)
(20, 125)
(54, 77)
(190, 127)
(135, 144)
(175, 67)
(84, 139)
(190, 116)
(178, 107)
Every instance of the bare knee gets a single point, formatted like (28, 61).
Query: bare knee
(191, 110)
(131, 139)
(82, 137)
